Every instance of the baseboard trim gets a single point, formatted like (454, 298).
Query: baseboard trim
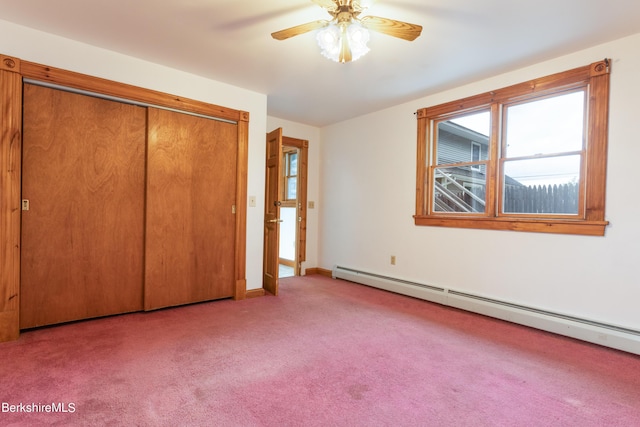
(320, 271)
(255, 293)
(589, 330)
(288, 262)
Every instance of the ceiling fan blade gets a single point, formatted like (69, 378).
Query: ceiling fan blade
(391, 27)
(299, 29)
(327, 4)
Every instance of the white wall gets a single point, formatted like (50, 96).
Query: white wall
(311, 134)
(36, 46)
(368, 192)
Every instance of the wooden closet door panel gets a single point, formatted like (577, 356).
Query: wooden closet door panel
(190, 226)
(82, 237)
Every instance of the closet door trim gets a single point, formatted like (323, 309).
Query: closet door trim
(10, 182)
(10, 166)
(56, 76)
(121, 100)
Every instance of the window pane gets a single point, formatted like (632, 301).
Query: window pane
(292, 184)
(475, 152)
(293, 164)
(545, 186)
(547, 126)
(459, 189)
(455, 138)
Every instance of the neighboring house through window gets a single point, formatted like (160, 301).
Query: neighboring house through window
(476, 152)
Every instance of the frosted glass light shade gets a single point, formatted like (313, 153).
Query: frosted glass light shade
(330, 41)
(358, 37)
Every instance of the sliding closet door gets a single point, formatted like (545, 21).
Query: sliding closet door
(82, 235)
(191, 185)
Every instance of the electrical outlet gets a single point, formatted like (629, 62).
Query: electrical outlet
(393, 260)
(311, 204)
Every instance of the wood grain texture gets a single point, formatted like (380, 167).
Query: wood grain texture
(191, 229)
(120, 90)
(9, 325)
(299, 29)
(392, 27)
(12, 70)
(255, 293)
(242, 171)
(8, 63)
(318, 270)
(599, 131)
(10, 170)
(82, 238)
(422, 161)
(303, 165)
(586, 228)
(273, 189)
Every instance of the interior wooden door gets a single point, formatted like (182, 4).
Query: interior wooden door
(273, 189)
(82, 235)
(190, 227)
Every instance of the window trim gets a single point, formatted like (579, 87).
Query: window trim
(286, 167)
(595, 78)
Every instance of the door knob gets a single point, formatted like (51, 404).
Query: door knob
(275, 220)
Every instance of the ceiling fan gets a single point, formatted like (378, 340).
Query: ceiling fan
(344, 38)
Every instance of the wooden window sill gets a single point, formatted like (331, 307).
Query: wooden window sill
(558, 226)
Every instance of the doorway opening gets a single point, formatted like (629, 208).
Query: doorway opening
(289, 212)
(293, 206)
(285, 208)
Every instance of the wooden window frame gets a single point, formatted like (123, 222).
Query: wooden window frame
(286, 165)
(594, 78)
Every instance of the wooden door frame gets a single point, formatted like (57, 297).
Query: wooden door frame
(301, 199)
(12, 73)
(10, 194)
(301, 210)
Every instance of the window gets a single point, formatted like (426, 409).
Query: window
(290, 174)
(529, 157)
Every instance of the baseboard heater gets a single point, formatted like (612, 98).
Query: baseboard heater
(620, 338)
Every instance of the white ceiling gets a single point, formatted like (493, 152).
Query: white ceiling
(229, 41)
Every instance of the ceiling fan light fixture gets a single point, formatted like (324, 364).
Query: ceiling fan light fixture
(358, 38)
(344, 38)
(330, 40)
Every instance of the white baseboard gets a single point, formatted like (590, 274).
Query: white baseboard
(583, 329)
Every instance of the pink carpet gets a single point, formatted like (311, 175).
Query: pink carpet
(323, 353)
